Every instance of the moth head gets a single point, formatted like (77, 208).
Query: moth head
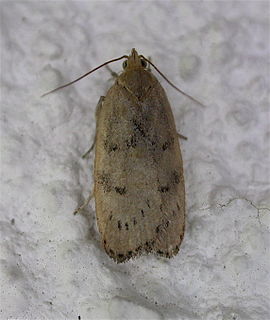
(134, 61)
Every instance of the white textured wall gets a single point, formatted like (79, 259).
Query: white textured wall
(52, 263)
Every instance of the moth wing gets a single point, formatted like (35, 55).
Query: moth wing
(139, 182)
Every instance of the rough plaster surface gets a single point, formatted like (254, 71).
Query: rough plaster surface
(52, 263)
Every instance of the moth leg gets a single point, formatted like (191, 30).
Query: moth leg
(113, 73)
(90, 149)
(180, 136)
(148, 64)
(85, 204)
(98, 108)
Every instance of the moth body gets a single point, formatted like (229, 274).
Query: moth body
(139, 183)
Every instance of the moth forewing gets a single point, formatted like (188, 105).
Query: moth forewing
(139, 182)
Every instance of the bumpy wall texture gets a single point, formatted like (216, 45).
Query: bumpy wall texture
(52, 263)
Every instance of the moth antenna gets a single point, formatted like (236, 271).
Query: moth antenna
(179, 90)
(68, 84)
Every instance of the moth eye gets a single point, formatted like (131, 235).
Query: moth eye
(124, 64)
(144, 63)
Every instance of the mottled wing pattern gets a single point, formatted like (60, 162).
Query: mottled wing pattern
(139, 182)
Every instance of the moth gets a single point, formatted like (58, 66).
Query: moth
(139, 185)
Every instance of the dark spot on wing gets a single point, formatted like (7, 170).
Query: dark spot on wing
(121, 190)
(175, 177)
(132, 142)
(167, 144)
(138, 127)
(110, 147)
(163, 189)
(119, 224)
(105, 181)
(148, 246)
